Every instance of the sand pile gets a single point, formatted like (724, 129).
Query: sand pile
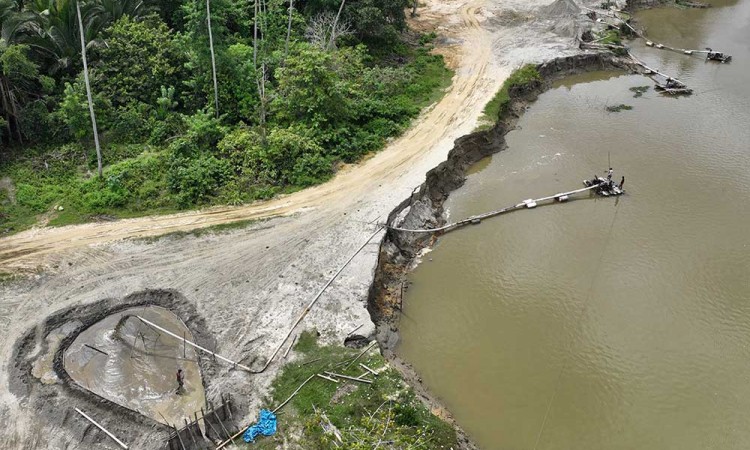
(560, 8)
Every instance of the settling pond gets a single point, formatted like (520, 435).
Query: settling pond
(605, 323)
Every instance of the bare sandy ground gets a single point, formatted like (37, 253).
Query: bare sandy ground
(252, 283)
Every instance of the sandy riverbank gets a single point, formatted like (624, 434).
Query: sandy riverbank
(248, 286)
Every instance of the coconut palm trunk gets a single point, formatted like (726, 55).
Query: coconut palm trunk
(289, 28)
(88, 91)
(213, 57)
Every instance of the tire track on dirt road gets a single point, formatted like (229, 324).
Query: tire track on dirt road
(29, 250)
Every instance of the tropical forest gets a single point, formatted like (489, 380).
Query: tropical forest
(118, 108)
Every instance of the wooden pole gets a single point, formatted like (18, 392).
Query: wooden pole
(228, 402)
(360, 355)
(208, 421)
(221, 424)
(190, 432)
(192, 344)
(119, 442)
(203, 433)
(368, 369)
(179, 438)
(290, 346)
(352, 332)
(95, 349)
(294, 393)
(337, 375)
(326, 378)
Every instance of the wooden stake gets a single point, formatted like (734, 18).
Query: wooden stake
(326, 378)
(351, 332)
(179, 438)
(360, 355)
(360, 380)
(291, 345)
(218, 435)
(368, 369)
(190, 432)
(221, 424)
(95, 349)
(119, 442)
(294, 393)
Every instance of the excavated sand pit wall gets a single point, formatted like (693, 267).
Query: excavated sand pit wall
(54, 395)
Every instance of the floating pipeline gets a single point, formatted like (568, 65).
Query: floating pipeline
(424, 208)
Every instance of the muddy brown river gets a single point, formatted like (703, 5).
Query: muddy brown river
(605, 323)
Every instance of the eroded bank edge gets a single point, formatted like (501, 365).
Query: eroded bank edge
(424, 209)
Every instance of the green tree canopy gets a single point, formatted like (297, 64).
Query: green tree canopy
(138, 59)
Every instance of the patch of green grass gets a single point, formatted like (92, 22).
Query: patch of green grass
(222, 228)
(611, 37)
(432, 78)
(499, 104)
(386, 410)
(6, 277)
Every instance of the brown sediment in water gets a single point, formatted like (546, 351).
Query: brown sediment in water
(424, 209)
(399, 251)
(129, 363)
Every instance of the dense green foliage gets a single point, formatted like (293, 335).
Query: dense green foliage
(499, 104)
(385, 411)
(290, 110)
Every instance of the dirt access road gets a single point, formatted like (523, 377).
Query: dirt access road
(437, 127)
(251, 284)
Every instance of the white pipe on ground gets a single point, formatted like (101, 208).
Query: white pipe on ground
(119, 442)
(193, 344)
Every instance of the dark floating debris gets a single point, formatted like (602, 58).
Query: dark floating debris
(618, 108)
(673, 87)
(717, 56)
(605, 186)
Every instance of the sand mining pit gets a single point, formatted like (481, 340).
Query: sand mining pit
(122, 359)
(104, 360)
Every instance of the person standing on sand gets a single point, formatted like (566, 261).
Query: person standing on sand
(622, 182)
(180, 382)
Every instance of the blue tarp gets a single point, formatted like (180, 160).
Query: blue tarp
(266, 426)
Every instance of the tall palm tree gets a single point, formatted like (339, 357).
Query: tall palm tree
(110, 11)
(288, 28)
(88, 90)
(57, 34)
(17, 73)
(213, 56)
